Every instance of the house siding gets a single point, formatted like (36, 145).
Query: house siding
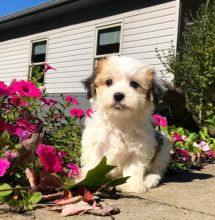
(70, 49)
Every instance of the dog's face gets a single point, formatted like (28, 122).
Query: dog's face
(122, 86)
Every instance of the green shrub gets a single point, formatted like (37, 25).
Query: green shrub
(193, 66)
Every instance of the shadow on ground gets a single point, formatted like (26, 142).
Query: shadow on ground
(185, 177)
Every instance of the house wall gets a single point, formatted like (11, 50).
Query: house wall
(146, 26)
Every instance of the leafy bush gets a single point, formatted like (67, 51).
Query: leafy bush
(193, 66)
(189, 149)
(39, 142)
(40, 149)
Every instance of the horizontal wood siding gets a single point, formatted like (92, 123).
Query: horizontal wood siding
(71, 48)
(150, 30)
(14, 60)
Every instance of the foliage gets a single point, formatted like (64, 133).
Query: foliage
(96, 177)
(28, 119)
(40, 145)
(189, 149)
(193, 66)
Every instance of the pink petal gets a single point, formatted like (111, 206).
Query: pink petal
(4, 165)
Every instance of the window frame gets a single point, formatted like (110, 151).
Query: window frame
(31, 64)
(103, 27)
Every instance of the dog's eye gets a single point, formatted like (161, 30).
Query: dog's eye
(134, 84)
(109, 82)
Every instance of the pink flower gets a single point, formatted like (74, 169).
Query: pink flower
(10, 155)
(184, 153)
(15, 130)
(23, 134)
(25, 88)
(71, 99)
(16, 100)
(89, 112)
(49, 102)
(3, 89)
(77, 112)
(62, 154)
(177, 137)
(4, 165)
(27, 125)
(49, 159)
(204, 146)
(47, 67)
(74, 170)
(159, 120)
(211, 153)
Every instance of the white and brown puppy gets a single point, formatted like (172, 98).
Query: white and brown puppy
(121, 128)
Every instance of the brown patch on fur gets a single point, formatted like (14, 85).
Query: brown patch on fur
(145, 78)
(106, 70)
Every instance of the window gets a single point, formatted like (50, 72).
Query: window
(38, 58)
(108, 40)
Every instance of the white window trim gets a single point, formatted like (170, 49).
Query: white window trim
(105, 26)
(30, 56)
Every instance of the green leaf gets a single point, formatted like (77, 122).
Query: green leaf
(96, 177)
(118, 181)
(7, 188)
(35, 197)
(4, 139)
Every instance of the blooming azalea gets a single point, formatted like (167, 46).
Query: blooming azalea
(4, 165)
(10, 155)
(49, 102)
(177, 137)
(16, 100)
(15, 130)
(159, 120)
(62, 154)
(49, 159)
(204, 146)
(27, 125)
(184, 153)
(47, 67)
(71, 99)
(25, 88)
(74, 170)
(3, 89)
(89, 112)
(77, 112)
(211, 153)
(22, 133)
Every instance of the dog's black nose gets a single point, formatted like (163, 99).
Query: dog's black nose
(119, 96)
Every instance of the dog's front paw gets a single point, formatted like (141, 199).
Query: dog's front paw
(133, 187)
(152, 180)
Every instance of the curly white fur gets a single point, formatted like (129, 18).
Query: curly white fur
(124, 135)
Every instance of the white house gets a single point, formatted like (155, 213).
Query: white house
(71, 34)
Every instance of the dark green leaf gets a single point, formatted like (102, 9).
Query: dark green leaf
(96, 177)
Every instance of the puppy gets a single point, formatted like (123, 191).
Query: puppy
(122, 90)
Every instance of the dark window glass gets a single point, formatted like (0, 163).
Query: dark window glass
(38, 52)
(108, 40)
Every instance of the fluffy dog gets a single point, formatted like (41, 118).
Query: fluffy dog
(122, 90)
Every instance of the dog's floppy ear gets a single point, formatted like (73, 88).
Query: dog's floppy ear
(157, 90)
(90, 85)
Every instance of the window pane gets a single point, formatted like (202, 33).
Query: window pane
(38, 52)
(108, 40)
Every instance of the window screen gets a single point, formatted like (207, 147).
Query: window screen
(108, 40)
(38, 52)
